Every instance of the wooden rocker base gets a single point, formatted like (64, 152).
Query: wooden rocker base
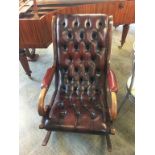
(46, 139)
(109, 145)
(48, 134)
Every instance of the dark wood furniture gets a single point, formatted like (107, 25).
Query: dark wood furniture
(35, 26)
(24, 62)
(25, 55)
(80, 103)
(35, 17)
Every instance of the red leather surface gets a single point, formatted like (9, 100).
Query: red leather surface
(85, 115)
(112, 82)
(81, 51)
(48, 77)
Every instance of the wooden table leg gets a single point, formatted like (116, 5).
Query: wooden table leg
(24, 62)
(124, 34)
(31, 55)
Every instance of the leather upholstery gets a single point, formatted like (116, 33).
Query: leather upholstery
(112, 82)
(80, 51)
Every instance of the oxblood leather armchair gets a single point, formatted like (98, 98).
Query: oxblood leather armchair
(83, 78)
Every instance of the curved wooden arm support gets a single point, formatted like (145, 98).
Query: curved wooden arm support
(113, 108)
(44, 88)
(113, 88)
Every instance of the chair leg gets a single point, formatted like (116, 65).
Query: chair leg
(109, 145)
(46, 139)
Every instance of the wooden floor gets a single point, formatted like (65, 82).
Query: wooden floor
(69, 143)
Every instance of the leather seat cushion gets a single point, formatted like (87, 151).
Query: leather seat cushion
(76, 114)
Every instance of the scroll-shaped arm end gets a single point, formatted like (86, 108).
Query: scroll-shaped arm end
(42, 110)
(113, 88)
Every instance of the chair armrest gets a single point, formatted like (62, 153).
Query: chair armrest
(44, 88)
(113, 88)
(112, 82)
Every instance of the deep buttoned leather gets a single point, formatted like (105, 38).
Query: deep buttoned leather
(81, 52)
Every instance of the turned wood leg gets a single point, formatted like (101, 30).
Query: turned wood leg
(31, 55)
(124, 34)
(24, 62)
(116, 26)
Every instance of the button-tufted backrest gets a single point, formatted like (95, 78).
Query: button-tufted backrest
(81, 51)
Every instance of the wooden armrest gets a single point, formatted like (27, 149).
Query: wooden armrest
(113, 108)
(113, 88)
(44, 88)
